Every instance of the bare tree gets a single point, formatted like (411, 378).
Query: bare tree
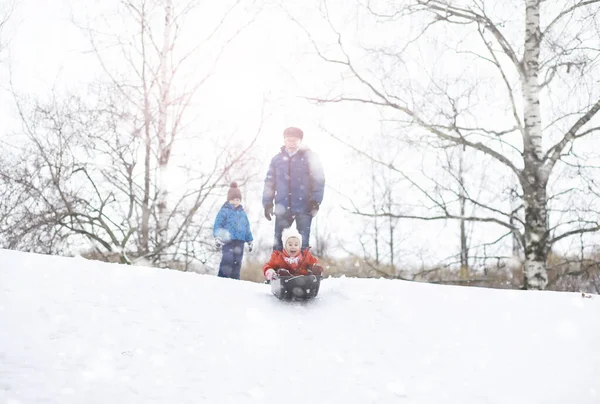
(389, 202)
(380, 236)
(159, 80)
(464, 244)
(75, 182)
(48, 201)
(99, 172)
(376, 225)
(554, 59)
(459, 175)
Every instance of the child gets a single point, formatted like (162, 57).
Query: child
(292, 260)
(231, 231)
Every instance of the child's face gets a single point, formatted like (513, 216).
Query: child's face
(292, 143)
(292, 246)
(235, 202)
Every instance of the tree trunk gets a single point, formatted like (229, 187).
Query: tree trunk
(375, 218)
(464, 244)
(391, 228)
(145, 225)
(145, 230)
(164, 145)
(534, 179)
(536, 238)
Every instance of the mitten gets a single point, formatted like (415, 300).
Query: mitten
(313, 207)
(269, 211)
(316, 269)
(270, 274)
(218, 242)
(250, 246)
(283, 272)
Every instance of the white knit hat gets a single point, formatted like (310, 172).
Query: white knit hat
(290, 233)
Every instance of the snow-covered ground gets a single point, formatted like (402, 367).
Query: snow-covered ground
(77, 331)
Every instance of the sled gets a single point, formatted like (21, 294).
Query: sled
(299, 287)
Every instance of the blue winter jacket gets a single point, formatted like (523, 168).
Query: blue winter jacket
(232, 223)
(294, 181)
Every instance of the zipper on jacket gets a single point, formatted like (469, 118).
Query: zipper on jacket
(290, 181)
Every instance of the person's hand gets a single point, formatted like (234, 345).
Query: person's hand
(269, 211)
(313, 207)
(270, 274)
(218, 242)
(316, 269)
(250, 246)
(283, 272)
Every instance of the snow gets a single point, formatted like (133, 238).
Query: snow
(78, 331)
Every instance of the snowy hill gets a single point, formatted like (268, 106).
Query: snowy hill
(77, 331)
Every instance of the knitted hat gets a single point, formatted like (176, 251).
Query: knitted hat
(293, 132)
(290, 233)
(234, 192)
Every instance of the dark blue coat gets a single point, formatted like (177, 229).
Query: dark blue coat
(232, 224)
(294, 181)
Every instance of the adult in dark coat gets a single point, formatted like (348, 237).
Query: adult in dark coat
(294, 187)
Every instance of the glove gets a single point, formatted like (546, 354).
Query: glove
(269, 211)
(218, 242)
(270, 274)
(313, 207)
(316, 269)
(250, 246)
(283, 272)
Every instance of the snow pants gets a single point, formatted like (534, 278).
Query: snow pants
(303, 223)
(231, 262)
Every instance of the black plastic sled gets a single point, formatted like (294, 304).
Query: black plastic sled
(302, 287)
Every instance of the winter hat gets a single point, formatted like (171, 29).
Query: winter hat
(293, 132)
(234, 192)
(290, 233)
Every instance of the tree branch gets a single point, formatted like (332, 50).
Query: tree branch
(431, 128)
(443, 9)
(388, 102)
(554, 153)
(511, 96)
(574, 232)
(567, 12)
(442, 217)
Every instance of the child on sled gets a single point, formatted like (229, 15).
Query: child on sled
(292, 260)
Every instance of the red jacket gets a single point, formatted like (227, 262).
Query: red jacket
(278, 261)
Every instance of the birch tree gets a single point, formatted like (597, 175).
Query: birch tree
(530, 66)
